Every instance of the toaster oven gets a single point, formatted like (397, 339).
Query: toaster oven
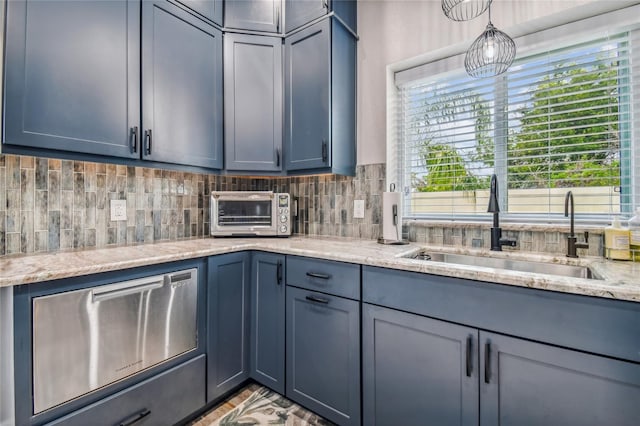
(250, 213)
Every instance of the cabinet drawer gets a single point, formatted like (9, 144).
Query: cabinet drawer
(591, 324)
(162, 400)
(327, 276)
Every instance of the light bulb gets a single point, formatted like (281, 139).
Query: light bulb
(489, 48)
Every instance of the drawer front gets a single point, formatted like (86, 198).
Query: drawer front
(591, 324)
(162, 400)
(326, 276)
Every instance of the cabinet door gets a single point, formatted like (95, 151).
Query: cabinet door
(256, 15)
(253, 102)
(182, 87)
(307, 84)
(530, 384)
(299, 12)
(227, 322)
(210, 9)
(323, 354)
(417, 370)
(72, 76)
(268, 319)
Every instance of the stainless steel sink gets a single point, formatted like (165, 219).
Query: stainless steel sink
(508, 264)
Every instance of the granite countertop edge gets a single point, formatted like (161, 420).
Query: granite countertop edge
(619, 278)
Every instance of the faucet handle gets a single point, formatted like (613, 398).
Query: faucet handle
(586, 236)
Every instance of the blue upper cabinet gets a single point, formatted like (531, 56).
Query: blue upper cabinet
(253, 102)
(320, 99)
(181, 86)
(254, 15)
(210, 9)
(72, 78)
(300, 12)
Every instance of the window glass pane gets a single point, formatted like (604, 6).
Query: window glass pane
(556, 121)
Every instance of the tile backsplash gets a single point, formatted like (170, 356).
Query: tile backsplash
(50, 204)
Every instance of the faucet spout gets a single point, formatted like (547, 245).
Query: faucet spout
(572, 240)
(496, 232)
(568, 205)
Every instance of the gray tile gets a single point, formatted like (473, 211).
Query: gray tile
(27, 189)
(54, 190)
(42, 173)
(41, 211)
(78, 191)
(13, 243)
(66, 210)
(41, 241)
(54, 230)
(66, 239)
(90, 238)
(67, 175)
(3, 189)
(26, 231)
(12, 171)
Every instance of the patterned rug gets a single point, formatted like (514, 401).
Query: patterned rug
(265, 407)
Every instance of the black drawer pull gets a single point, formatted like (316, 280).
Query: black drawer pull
(136, 418)
(318, 300)
(316, 275)
(469, 354)
(487, 362)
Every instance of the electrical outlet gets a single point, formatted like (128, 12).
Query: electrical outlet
(358, 209)
(118, 210)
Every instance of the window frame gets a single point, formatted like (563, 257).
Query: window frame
(564, 30)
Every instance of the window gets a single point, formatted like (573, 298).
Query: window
(562, 118)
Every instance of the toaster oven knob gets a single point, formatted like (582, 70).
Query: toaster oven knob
(283, 219)
(283, 229)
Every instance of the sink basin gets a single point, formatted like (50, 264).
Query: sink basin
(508, 264)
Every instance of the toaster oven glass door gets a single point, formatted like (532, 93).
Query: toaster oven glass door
(244, 213)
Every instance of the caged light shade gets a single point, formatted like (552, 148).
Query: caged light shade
(464, 10)
(490, 54)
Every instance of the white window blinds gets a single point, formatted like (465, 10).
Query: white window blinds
(561, 119)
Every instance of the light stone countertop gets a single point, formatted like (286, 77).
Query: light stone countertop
(621, 280)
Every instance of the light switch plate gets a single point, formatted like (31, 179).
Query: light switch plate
(118, 210)
(358, 209)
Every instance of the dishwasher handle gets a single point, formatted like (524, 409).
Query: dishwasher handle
(126, 288)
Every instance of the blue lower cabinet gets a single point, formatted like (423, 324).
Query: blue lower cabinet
(530, 384)
(164, 399)
(323, 354)
(229, 290)
(417, 370)
(267, 320)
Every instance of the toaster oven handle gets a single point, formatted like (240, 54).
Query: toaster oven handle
(126, 288)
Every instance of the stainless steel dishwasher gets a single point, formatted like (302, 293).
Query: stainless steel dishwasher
(86, 339)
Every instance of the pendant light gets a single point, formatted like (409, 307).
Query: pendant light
(464, 10)
(491, 54)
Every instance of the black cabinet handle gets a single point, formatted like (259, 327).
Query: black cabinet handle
(279, 272)
(469, 355)
(318, 300)
(325, 154)
(147, 142)
(316, 275)
(277, 157)
(136, 418)
(278, 19)
(325, 4)
(487, 362)
(133, 138)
